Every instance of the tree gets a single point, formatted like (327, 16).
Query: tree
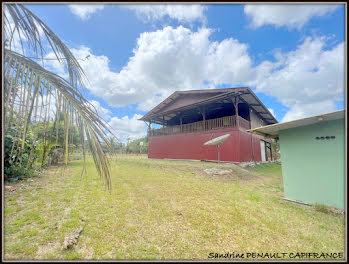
(137, 147)
(30, 89)
(117, 147)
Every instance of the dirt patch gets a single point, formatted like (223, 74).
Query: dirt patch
(247, 164)
(85, 251)
(21, 186)
(220, 174)
(48, 249)
(67, 211)
(218, 171)
(10, 188)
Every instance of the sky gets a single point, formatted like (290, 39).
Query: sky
(291, 56)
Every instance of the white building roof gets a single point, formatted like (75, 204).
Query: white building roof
(272, 131)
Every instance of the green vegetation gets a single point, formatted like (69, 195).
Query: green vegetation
(137, 147)
(162, 209)
(43, 111)
(18, 163)
(322, 208)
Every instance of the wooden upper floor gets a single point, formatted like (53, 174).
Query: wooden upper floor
(199, 110)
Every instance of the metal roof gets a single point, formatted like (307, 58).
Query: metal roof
(273, 130)
(245, 93)
(176, 94)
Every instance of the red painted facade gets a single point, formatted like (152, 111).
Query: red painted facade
(191, 118)
(237, 148)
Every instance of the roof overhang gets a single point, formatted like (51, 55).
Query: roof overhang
(156, 111)
(245, 93)
(253, 101)
(272, 131)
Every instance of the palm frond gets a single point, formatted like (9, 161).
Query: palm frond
(19, 19)
(76, 109)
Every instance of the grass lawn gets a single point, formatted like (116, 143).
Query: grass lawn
(162, 209)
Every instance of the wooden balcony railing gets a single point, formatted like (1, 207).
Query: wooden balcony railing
(244, 123)
(222, 122)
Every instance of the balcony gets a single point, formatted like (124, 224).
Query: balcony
(217, 123)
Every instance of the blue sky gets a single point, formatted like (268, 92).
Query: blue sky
(291, 56)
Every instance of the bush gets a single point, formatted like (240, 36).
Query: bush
(18, 162)
(55, 155)
(135, 147)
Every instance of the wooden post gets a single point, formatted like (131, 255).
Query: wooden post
(202, 112)
(236, 106)
(149, 127)
(203, 119)
(249, 116)
(266, 150)
(271, 152)
(181, 123)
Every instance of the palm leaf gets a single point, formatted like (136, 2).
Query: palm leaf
(89, 123)
(28, 26)
(28, 82)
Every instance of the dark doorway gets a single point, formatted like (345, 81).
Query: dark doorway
(244, 111)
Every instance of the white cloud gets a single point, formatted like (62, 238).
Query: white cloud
(291, 15)
(84, 12)
(308, 79)
(52, 64)
(271, 110)
(16, 41)
(314, 108)
(101, 111)
(165, 61)
(128, 127)
(182, 13)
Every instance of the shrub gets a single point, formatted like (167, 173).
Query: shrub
(18, 162)
(55, 155)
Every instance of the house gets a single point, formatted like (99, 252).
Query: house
(190, 118)
(313, 157)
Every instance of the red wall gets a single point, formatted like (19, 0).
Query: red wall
(190, 146)
(246, 153)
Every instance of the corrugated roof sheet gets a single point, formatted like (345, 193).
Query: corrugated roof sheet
(245, 93)
(273, 130)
